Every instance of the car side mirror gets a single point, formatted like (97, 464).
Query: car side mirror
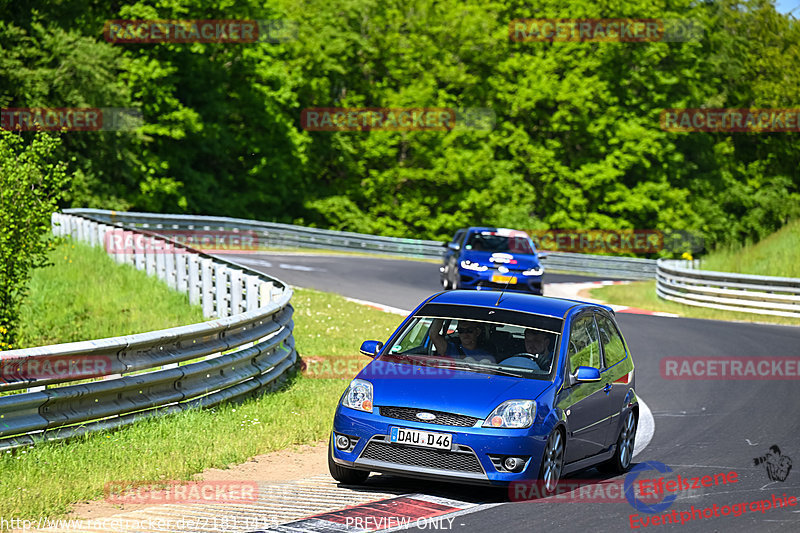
(371, 348)
(454, 246)
(542, 255)
(586, 374)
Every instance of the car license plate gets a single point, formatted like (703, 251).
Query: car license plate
(504, 279)
(416, 437)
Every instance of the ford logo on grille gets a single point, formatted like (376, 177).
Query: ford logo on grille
(426, 416)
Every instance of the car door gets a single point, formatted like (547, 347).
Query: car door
(586, 404)
(617, 366)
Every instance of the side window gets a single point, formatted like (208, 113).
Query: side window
(613, 347)
(584, 346)
(458, 237)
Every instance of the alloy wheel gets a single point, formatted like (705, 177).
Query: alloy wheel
(627, 441)
(553, 461)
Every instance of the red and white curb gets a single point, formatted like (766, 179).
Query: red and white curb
(401, 512)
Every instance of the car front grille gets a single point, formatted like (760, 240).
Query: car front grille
(442, 418)
(462, 461)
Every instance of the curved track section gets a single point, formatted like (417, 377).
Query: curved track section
(704, 427)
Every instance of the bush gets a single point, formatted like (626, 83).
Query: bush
(30, 185)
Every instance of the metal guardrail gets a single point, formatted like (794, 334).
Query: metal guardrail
(113, 382)
(272, 234)
(602, 265)
(747, 293)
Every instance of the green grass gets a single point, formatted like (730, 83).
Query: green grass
(44, 480)
(776, 255)
(86, 295)
(642, 294)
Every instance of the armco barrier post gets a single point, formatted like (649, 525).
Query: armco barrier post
(265, 293)
(236, 292)
(91, 234)
(149, 256)
(139, 259)
(160, 263)
(125, 253)
(221, 289)
(181, 274)
(251, 292)
(193, 262)
(207, 287)
(169, 270)
(101, 235)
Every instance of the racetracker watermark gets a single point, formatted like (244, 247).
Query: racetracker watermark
(62, 367)
(70, 119)
(597, 241)
(737, 509)
(119, 241)
(396, 119)
(177, 492)
(199, 31)
(643, 494)
(622, 30)
(731, 120)
(574, 490)
(390, 367)
(739, 368)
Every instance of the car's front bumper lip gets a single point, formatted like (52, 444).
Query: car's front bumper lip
(372, 427)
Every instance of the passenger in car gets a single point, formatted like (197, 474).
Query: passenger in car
(466, 346)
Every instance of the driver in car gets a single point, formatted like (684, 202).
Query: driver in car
(466, 346)
(536, 343)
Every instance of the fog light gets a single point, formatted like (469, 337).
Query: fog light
(513, 464)
(342, 442)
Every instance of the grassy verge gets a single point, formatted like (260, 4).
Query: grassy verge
(46, 479)
(642, 294)
(777, 255)
(86, 295)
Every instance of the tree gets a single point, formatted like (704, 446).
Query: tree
(31, 182)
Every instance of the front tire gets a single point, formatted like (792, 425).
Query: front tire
(621, 460)
(342, 474)
(552, 464)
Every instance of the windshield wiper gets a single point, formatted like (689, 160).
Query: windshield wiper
(480, 366)
(423, 360)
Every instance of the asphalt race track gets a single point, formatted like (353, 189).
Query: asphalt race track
(702, 427)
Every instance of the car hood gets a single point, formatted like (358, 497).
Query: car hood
(509, 260)
(454, 391)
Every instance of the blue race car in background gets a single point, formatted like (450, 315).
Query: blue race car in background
(492, 258)
(473, 388)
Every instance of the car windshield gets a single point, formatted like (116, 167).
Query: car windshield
(476, 346)
(494, 242)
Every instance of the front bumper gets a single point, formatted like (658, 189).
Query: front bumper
(475, 456)
(488, 280)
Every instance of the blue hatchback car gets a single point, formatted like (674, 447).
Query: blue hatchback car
(492, 258)
(490, 388)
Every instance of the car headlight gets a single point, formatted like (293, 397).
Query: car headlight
(513, 414)
(537, 271)
(473, 266)
(358, 395)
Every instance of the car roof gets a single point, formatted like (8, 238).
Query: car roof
(475, 229)
(513, 301)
